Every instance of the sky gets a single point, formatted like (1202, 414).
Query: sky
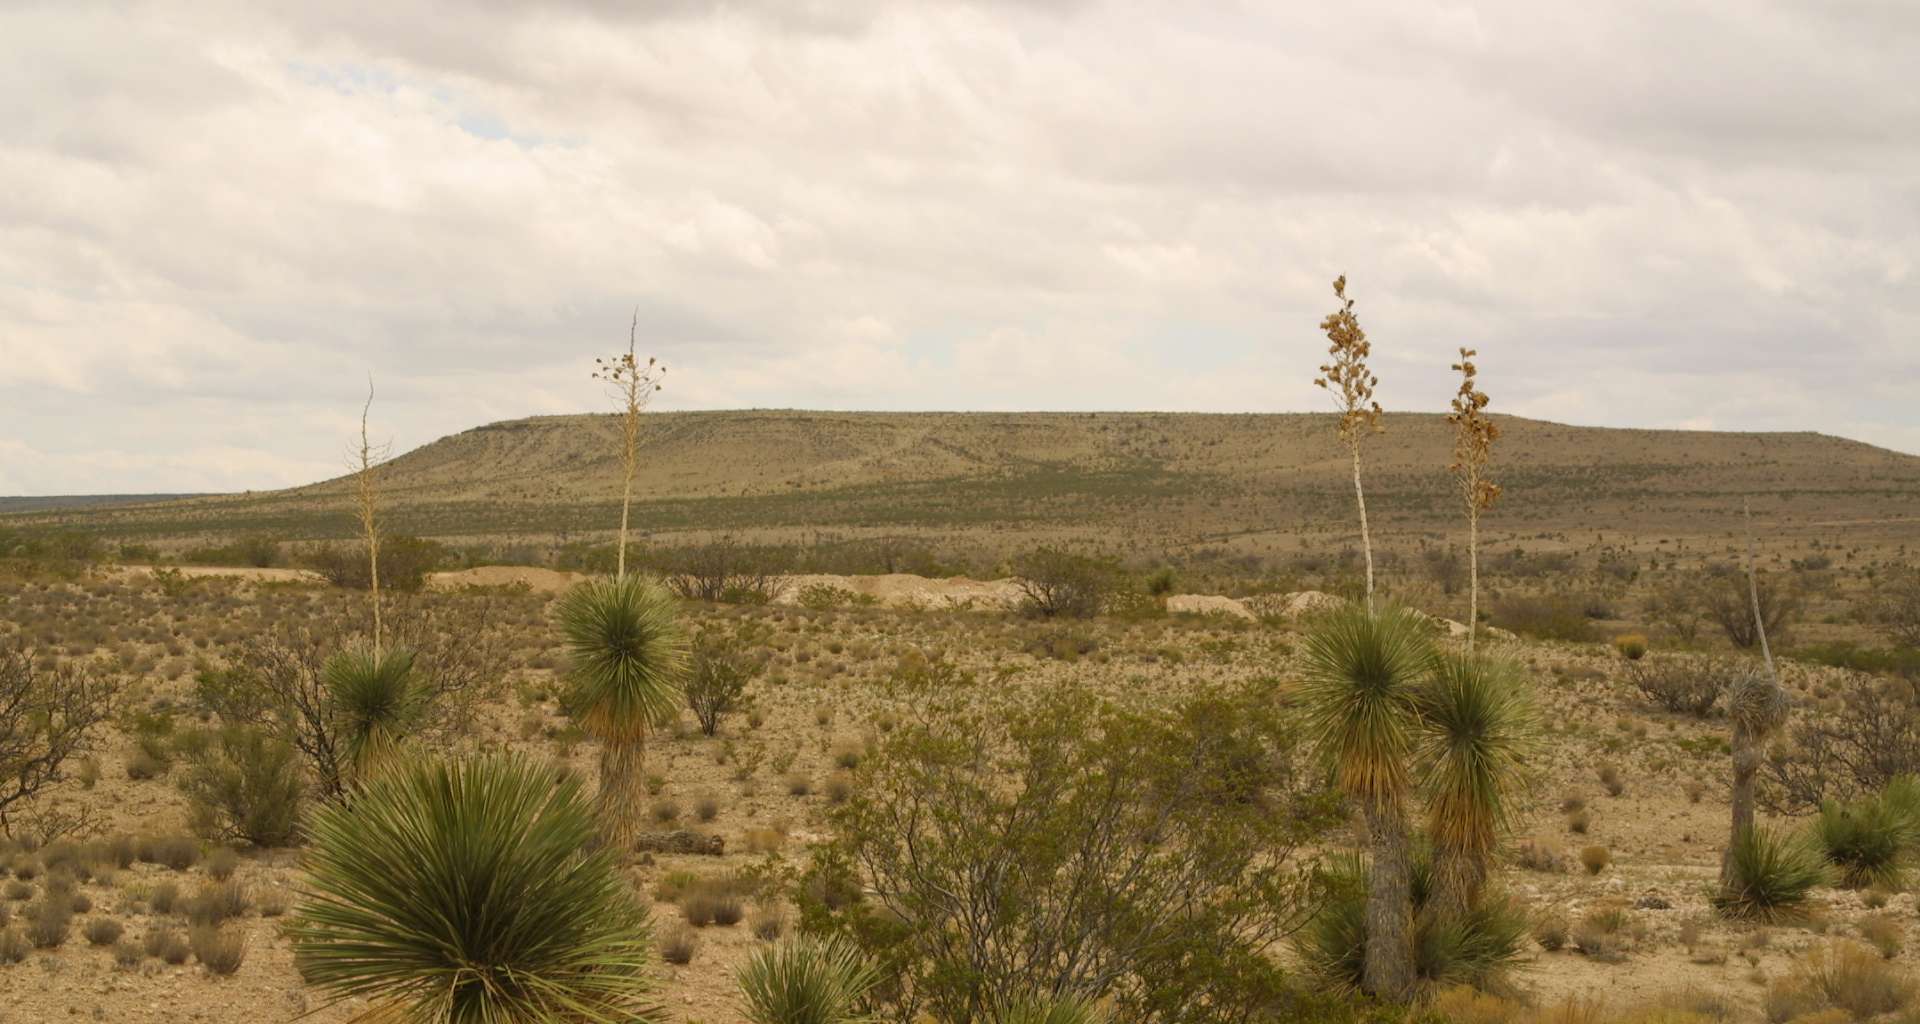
(217, 220)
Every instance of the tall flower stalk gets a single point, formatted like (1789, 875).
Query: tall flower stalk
(1473, 435)
(1347, 377)
(365, 500)
(632, 385)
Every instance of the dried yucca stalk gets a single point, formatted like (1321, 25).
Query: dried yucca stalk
(1473, 435)
(632, 385)
(365, 498)
(1351, 383)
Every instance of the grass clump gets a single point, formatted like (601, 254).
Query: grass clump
(1844, 977)
(220, 950)
(103, 931)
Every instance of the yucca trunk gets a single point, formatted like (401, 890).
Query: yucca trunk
(1366, 539)
(1458, 877)
(1473, 574)
(1388, 972)
(1746, 766)
(622, 796)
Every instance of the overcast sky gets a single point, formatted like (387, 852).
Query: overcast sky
(217, 219)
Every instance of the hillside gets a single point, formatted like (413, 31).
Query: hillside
(1136, 481)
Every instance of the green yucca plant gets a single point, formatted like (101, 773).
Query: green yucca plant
(1358, 691)
(1477, 947)
(376, 701)
(1868, 840)
(1477, 726)
(806, 982)
(1902, 798)
(1052, 1010)
(468, 892)
(628, 657)
(1768, 877)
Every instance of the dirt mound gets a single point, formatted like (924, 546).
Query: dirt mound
(197, 572)
(1208, 604)
(904, 590)
(545, 581)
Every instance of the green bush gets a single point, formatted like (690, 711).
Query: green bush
(1150, 854)
(717, 680)
(1060, 584)
(405, 562)
(1552, 617)
(245, 784)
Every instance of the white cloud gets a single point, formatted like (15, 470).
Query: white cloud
(215, 219)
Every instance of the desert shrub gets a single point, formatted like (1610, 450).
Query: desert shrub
(163, 897)
(47, 719)
(678, 944)
(14, 946)
(767, 923)
(1611, 781)
(1631, 646)
(220, 950)
(725, 570)
(1886, 935)
(918, 672)
(166, 945)
(991, 831)
(716, 683)
(405, 563)
(1677, 605)
(1478, 948)
(1550, 930)
(1729, 605)
(1060, 584)
(48, 922)
(1895, 606)
(1551, 617)
(258, 551)
(806, 982)
(277, 679)
(1595, 859)
(1842, 976)
(222, 863)
(1541, 857)
(127, 953)
(1769, 877)
(1685, 685)
(171, 852)
(245, 784)
(1887, 661)
(103, 931)
(1601, 934)
(1856, 741)
(217, 902)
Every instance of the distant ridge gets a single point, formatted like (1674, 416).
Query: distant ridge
(54, 502)
(1138, 481)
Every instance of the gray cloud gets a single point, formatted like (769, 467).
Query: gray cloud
(215, 220)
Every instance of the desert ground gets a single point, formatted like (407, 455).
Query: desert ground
(1612, 850)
